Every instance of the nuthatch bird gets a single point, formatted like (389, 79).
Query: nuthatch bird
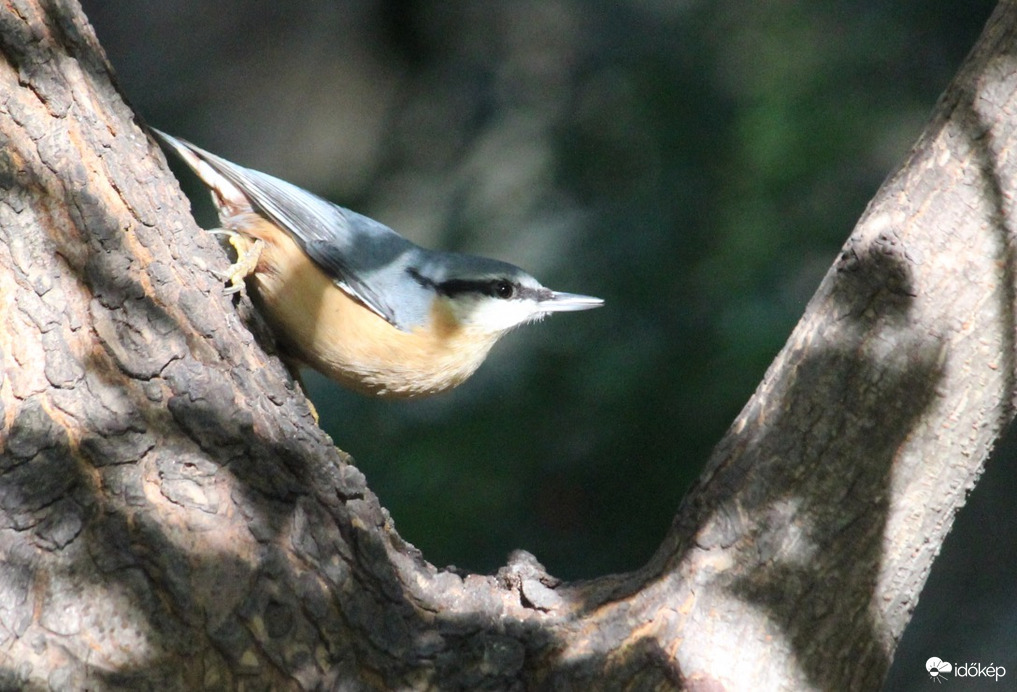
(353, 299)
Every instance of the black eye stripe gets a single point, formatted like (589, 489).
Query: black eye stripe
(496, 288)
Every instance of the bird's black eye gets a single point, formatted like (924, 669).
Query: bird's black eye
(503, 289)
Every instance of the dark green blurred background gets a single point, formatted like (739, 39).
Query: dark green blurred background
(698, 165)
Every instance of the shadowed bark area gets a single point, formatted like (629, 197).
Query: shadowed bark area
(171, 517)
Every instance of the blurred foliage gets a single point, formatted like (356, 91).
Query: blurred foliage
(696, 164)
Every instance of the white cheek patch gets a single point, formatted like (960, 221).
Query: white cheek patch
(493, 314)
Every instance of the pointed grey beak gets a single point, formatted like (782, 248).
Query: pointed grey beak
(569, 302)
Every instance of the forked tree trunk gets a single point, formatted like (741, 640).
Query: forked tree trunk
(171, 517)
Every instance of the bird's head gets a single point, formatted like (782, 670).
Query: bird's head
(492, 296)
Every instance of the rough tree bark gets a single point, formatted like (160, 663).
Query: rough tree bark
(171, 517)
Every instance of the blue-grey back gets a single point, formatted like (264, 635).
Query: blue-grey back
(364, 257)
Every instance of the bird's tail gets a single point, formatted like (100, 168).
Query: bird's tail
(230, 200)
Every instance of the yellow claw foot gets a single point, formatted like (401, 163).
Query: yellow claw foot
(248, 254)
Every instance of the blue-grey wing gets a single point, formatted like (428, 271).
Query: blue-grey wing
(348, 251)
(361, 255)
